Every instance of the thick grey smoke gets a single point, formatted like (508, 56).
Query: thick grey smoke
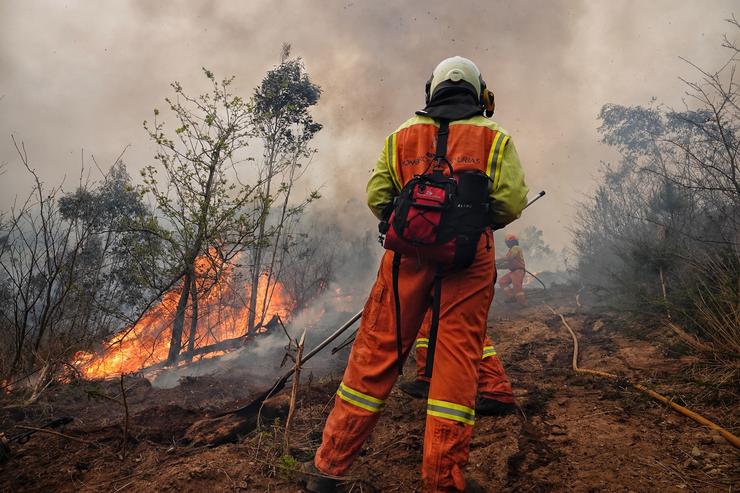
(262, 356)
(84, 74)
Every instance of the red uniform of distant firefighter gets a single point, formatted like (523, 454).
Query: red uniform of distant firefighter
(511, 283)
(448, 161)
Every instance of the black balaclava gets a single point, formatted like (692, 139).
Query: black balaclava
(452, 101)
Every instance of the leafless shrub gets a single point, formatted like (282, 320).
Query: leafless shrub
(66, 274)
(660, 236)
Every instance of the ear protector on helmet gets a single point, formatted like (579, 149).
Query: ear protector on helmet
(428, 89)
(487, 100)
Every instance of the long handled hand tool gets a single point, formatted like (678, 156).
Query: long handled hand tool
(538, 197)
(279, 384)
(26, 435)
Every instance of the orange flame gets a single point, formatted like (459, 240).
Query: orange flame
(222, 314)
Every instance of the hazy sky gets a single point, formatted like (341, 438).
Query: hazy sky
(85, 74)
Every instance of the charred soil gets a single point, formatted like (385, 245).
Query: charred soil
(575, 432)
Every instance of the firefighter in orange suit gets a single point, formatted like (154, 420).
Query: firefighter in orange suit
(495, 396)
(511, 283)
(456, 94)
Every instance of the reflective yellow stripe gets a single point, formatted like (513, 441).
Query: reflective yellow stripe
(391, 152)
(364, 401)
(498, 157)
(494, 145)
(450, 410)
(488, 351)
(422, 343)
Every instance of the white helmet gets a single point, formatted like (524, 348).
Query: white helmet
(455, 69)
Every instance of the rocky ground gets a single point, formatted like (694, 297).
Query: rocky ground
(577, 433)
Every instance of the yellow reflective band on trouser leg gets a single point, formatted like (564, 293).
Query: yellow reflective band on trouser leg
(421, 343)
(450, 410)
(356, 398)
(488, 351)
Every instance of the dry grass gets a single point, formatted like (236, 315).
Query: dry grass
(715, 313)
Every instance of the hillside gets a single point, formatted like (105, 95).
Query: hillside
(577, 433)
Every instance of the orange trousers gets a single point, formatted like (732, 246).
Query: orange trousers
(372, 367)
(511, 284)
(493, 382)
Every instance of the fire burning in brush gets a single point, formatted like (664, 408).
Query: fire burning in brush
(222, 314)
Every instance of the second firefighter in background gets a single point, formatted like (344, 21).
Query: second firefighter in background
(511, 283)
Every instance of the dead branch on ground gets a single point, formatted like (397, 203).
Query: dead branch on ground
(294, 392)
(125, 419)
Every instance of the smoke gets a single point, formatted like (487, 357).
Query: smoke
(259, 360)
(83, 75)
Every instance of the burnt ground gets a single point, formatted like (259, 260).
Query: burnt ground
(578, 433)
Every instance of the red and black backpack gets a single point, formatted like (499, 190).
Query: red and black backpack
(438, 217)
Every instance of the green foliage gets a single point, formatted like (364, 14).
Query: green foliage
(288, 462)
(201, 205)
(282, 120)
(112, 205)
(288, 466)
(281, 104)
(206, 215)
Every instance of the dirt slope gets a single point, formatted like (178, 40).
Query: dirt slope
(578, 434)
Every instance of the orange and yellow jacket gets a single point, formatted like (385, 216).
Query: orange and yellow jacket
(514, 259)
(476, 143)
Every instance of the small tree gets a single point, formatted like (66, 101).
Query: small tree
(283, 123)
(204, 210)
(121, 264)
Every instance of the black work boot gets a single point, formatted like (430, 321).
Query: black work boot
(473, 486)
(315, 481)
(485, 406)
(418, 389)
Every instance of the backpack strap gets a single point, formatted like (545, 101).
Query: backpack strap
(442, 135)
(397, 301)
(436, 302)
(440, 154)
(440, 157)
